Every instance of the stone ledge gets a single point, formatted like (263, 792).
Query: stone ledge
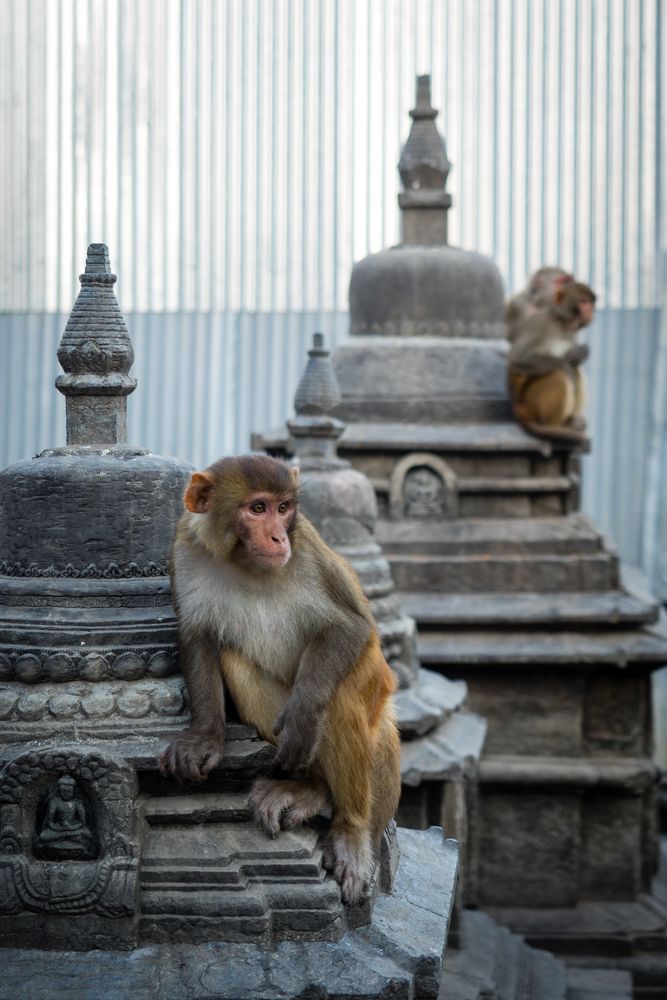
(617, 648)
(512, 535)
(631, 775)
(446, 753)
(614, 607)
(397, 957)
(480, 437)
(428, 702)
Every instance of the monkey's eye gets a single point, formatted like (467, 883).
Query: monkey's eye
(284, 506)
(258, 507)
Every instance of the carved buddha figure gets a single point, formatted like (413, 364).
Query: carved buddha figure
(423, 493)
(65, 832)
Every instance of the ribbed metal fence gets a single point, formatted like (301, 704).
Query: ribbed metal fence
(239, 155)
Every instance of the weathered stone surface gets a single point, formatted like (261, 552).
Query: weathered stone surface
(490, 962)
(428, 702)
(398, 957)
(618, 648)
(599, 984)
(522, 608)
(446, 752)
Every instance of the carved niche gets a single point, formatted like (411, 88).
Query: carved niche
(68, 834)
(423, 486)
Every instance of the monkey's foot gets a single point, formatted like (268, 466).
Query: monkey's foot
(191, 756)
(287, 804)
(348, 855)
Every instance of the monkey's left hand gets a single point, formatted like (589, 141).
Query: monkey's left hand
(298, 733)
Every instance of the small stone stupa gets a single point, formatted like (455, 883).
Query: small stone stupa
(441, 744)
(98, 852)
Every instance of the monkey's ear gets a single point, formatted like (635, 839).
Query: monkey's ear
(198, 496)
(295, 477)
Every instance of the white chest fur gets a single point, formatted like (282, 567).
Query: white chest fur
(270, 618)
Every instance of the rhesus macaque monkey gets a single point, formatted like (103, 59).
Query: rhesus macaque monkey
(265, 606)
(547, 389)
(537, 296)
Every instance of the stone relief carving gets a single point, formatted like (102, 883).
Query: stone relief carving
(64, 832)
(56, 666)
(68, 834)
(423, 486)
(423, 491)
(113, 700)
(91, 572)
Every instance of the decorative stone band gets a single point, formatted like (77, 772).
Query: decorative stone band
(112, 571)
(57, 666)
(408, 327)
(110, 701)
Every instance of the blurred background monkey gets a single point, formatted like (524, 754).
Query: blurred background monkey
(266, 606)
(538, 295)
(547, 389)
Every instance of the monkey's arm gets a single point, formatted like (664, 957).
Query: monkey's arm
(537, 364)
(332, 653)
(327, 660)
(195, 752)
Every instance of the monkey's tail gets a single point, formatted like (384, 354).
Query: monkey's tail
(554, 432)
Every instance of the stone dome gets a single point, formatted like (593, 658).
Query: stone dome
(427, 291)
(423, 287)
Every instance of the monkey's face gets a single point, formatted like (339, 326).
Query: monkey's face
(586, 311)
(263, 526)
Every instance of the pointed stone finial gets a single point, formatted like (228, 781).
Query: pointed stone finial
(424, 169)
(96, 354)
(314, 430)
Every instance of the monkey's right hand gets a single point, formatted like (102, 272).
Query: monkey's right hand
(192, 755)
(298, 739)
(577, 354)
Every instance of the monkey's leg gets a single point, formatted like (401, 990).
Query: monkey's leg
(578, 419)
(386, 781)
(259, 699)
(549, 399)
(346, 760)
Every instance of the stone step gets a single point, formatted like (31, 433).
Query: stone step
(486, 536)
(609, 931)
(494, 964)
(472, 574)
(427, 703)
(599, 984)
(445, 753)
(612, 607)
(204, 807)
(618, 648)
(207, 872)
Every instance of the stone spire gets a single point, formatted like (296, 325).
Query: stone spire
(424, 168)
(96, 354)
(314, 431)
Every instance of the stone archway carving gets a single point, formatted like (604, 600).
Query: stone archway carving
(423, 486)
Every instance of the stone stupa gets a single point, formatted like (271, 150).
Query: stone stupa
(99, 854)
(513, 589)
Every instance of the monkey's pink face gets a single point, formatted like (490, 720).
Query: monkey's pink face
(586, 311)
(263, 529)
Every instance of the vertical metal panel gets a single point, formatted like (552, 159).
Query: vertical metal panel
(239, 155)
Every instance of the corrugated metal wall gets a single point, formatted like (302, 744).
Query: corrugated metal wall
(239, 155)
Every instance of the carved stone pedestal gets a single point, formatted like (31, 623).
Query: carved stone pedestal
(115, 881)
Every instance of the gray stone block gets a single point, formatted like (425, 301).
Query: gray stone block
(399, 956)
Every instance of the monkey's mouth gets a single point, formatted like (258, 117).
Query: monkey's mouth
(273, 560)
